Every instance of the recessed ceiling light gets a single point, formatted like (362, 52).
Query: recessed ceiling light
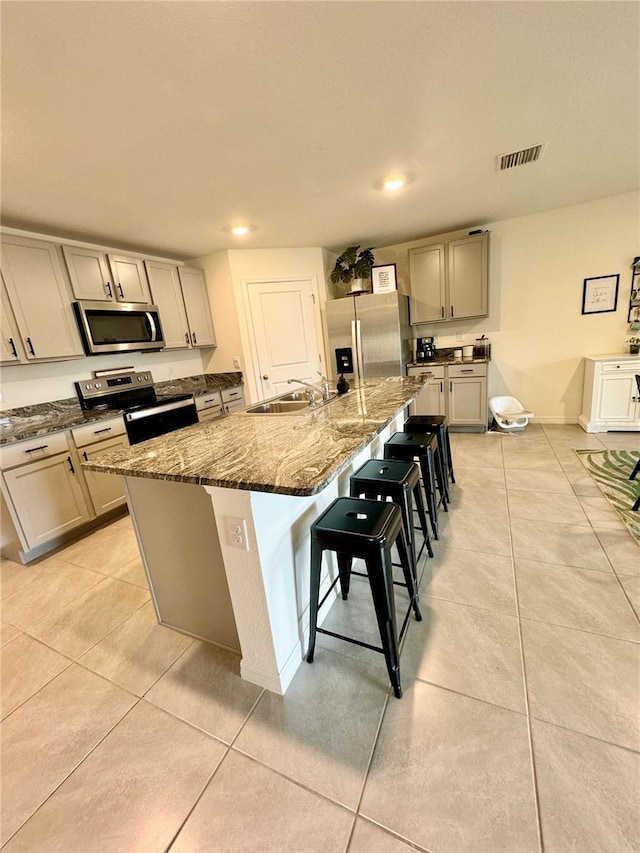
(240, 230)
(394, 183)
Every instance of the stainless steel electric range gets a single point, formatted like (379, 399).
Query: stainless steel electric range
(145, 415)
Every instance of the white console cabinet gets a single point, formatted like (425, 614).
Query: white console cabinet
(610, 399)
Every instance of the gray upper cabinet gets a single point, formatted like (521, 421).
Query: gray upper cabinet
(181, 295)
(427, 270)
(450, 280)
(40, 297)
(129, 279)
(11, 351)
(166, 293)
(89, 273)
(196, 302)
(105, 277)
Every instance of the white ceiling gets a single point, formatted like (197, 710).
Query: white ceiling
(153, 125)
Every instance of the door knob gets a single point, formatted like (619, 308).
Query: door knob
(264, 376)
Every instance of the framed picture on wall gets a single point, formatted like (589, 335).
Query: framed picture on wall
(600, 294)
(383, 278)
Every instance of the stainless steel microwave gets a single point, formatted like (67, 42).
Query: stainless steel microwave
(118, 326)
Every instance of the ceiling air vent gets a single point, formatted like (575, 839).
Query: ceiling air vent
(519, 158)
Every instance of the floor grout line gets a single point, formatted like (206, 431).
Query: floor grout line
(532, 758)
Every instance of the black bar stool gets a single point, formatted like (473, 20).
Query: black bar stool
(438, 425)
(354, 528)
(424, 448)
(398, 480)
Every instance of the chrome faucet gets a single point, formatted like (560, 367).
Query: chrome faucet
(325, 386)
(311, 390)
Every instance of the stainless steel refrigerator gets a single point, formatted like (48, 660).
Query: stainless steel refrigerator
(369, 335)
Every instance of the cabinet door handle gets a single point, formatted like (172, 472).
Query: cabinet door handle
(193, 337)
(104, 429)
(84, 456)
(13, 348)
(467, 370)
(30, 345)
(109, 291)
(442, 312)
(452, 310)
(120, 291)
(186, 338)
(450, 387)
(71, 468)
(441, 387)
(33, 449)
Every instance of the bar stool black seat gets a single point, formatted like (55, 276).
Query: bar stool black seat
(437, 424)
(423, 447)
(400, 481)
(353, 527)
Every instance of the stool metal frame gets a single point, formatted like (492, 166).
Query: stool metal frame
(400, 481)
(436, 424)
(357, 528)
(424, 447)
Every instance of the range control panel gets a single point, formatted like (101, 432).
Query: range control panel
(103, 385)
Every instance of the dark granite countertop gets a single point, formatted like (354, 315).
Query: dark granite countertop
(297, 454)
(445, 360)
(45, 418)
(204, 383)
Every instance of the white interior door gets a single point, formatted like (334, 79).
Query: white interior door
(282, 320)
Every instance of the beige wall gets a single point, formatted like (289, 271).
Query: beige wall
(227, 274)
(225, 315)
(25, 384)
(537, 266)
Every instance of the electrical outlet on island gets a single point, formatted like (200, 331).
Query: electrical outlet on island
(236, 362)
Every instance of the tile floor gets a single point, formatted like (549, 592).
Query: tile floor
(517, 730)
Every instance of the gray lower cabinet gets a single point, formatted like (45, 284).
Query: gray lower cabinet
(458, 391)
(105, 490)
(432, 400)
(232, 399)
(44, 494)
(209, 406)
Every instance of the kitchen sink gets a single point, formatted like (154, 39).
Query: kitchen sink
(302, 395)
(295, 403)
(279, 407)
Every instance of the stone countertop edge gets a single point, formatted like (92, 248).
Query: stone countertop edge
(293, 453)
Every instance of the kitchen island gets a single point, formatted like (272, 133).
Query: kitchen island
(222, 514)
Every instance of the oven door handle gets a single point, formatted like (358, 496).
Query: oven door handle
(157, 410)
(152, 326)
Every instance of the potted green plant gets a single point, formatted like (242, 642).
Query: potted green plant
(634, 346)
(353, 267)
